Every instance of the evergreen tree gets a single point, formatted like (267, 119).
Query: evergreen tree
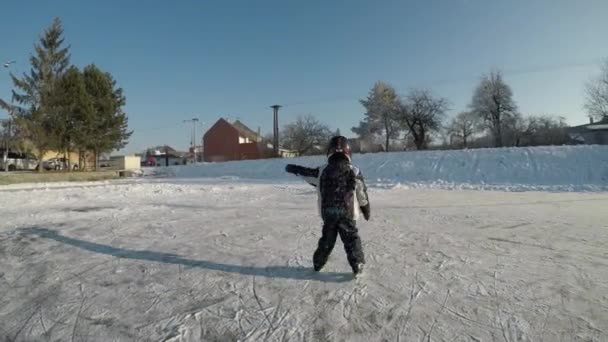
(72, 111)
(35, 91)
(107, 128)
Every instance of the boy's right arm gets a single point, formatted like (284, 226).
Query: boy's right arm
(311, 176)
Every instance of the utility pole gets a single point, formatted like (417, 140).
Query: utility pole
(167, 155)
(202, 143)
(275, 130)
(193, 136)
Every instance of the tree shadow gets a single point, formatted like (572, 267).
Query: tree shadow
(284, 272)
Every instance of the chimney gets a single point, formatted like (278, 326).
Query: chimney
(591, 119)
(259, 134)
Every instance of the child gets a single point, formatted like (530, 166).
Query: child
(342, 197)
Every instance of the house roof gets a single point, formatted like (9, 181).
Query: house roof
(598, 126)
(241, 128)
(601, 126)
(162, 148)
(246, 131)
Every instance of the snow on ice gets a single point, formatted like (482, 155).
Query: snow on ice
(198, 257)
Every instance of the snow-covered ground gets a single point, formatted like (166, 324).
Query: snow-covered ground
(224, 260)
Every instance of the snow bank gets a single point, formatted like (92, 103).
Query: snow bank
(553, 168)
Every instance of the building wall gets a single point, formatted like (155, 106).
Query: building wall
(221, 142)
(287, 153)
(249, 151)
(130, 163)
(162, 161)
(600, 138)
(125, 163)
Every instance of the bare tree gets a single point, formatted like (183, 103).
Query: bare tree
(517, 129)
(597, 95)
(382, 113)
(551, 130)
(422, 113)
(493, 102)
(463, 126)
(304, 134)
(537, 131)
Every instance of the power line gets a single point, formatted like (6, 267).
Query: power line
(440, 82)
(431, 83)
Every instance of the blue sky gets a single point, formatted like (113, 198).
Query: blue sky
(207, 59)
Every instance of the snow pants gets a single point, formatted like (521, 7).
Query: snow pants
(350, 238)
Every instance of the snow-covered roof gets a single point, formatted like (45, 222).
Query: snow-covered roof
(245, 131)
(600, 126)
(587, 127)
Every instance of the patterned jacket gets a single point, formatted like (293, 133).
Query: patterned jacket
(341, 189)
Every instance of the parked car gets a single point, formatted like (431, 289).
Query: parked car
(18, 161)
(105, 163)
(58, 164)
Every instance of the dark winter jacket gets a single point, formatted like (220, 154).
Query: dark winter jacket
(341, 189)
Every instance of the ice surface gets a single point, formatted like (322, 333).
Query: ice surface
(224, 260)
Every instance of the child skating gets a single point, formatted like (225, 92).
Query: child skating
(342, 198)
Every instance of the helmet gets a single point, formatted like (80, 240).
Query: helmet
(339, 144)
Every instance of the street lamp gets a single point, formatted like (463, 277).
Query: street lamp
(8, 135)
(193, 137)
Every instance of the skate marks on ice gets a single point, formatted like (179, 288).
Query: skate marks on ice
(174, 306)
(450, 270)
(285, 272)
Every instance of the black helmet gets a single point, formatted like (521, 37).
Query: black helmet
(339, 144)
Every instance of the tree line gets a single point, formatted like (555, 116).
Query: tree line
(492, 118)
(59, 107)
(418, 118)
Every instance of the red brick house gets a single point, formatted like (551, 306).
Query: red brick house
(226, 141)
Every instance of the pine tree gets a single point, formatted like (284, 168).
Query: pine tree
(107, 128)
(72, 111)
(35, 94)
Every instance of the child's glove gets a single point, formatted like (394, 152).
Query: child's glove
(366, 212)
(291, 168)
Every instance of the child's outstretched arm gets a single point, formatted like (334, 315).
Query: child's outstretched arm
(311, 176)
(362, 198)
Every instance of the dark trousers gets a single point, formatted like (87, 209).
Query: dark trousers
(350, 238)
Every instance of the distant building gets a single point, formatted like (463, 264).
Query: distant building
(132, 162)
(163, 156)
(195, 153)
(226, 141)
(590, 134)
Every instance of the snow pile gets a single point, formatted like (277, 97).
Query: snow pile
(552, 168)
